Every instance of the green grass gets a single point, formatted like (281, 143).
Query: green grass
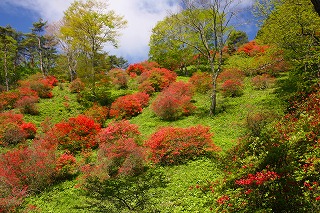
(62, 106)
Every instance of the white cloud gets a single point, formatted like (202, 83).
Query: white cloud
(142, 16)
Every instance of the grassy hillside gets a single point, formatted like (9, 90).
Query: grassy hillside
(178, 195)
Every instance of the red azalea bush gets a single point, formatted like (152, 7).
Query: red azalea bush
(231, 74)
(119, 77)
(174, 101)
(232, 88)
(14, 130)
(121, 157)
(118, 130)
(263, 81)
(24, 171)
(98, 113)
(27, 105)
(135, 70)
(201, 81)
(42, 85)
(129, 105)
(157, 78)
(119, 151)
(8, 99)
(252, 48)
(76, 86)
(66, 166)
(76, 134)
(170, 145)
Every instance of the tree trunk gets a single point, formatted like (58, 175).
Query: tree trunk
(6, 68)
(41, 57)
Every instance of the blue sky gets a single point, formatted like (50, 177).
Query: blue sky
(142, 16)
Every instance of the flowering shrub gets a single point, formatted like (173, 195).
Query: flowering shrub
(263, 81)
(174, 101)
(30, 129)
(258, 178)
(231, 88)
(129, 105)
(121, 157)
(119, 151)
(14, 130)
(27, 105)
(262, 179)
(24, 171)
(76, 86)
(43, 86)
(231, 74)
(135, 70)
(119, 77)
(201, 81)
(13, 134)
(76, 134)
(252, 48)
(157, 78)
(8, 99)
(118, 130)
(66, 166)
(170, 145)
(98, 113)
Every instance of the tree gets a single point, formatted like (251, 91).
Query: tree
(8, 49)
(167, 52)
(87, 26)
(204, 26)
(236, 39)
(294, 27)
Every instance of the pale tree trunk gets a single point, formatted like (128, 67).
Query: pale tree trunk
(41, 58)
(6, 68)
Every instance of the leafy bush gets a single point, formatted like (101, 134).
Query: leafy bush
(129, 105)
(66, 166)
(24, 171)
(171, 145)
(76, 86)
(262, 179)
(119, 78)
(14, 130)
(76, 134)
(201, 81)
(231, 74)
(13, 134)
(42, 86)
(118, 130)
(231, 88)
(174, 101)
(252, 48)
(27, 105)
(157, 78)
(263, 81)
(8, 99)
(98, 113)
(135, 70)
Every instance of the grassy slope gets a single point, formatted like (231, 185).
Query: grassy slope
(227, 126)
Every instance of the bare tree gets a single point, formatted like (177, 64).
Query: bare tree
(205, 26)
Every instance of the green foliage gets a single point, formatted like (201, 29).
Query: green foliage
(130, 193)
